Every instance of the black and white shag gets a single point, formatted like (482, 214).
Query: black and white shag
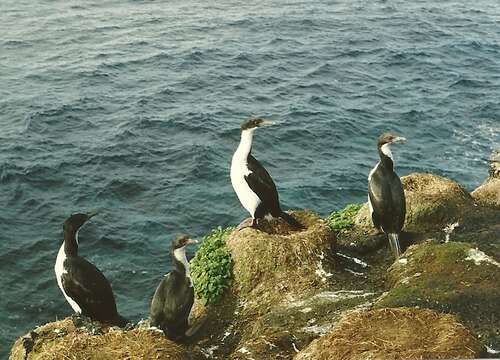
(252, 183)
(83, 285)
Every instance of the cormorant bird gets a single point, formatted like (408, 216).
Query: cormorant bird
(386, 196)
(252, 183)
(83, 285)
(174, 296)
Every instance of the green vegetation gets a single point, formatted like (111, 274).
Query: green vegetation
(451, 277)
(211, 267)
(343, 220)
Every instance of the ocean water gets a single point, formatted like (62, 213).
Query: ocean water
(132, 108)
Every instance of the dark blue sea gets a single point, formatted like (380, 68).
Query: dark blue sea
(132, 108)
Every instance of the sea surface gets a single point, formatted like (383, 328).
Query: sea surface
(132, 108)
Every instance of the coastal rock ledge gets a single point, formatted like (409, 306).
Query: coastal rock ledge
(62, 340)
(333, 290)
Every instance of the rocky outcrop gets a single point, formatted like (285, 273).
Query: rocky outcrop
(488, 194)
(333, 290)
(269, 265)
(279, 282)
(404, 333)
(62, 340)
(453, 278)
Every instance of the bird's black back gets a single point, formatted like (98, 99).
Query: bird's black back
(388, 199)
(171, 305)
(263, 185)
(88, 287)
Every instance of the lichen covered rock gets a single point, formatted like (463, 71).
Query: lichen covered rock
(402, 333)
(61, 340)
(453, 278)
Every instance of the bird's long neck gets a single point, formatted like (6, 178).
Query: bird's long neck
(245, 145)
(386, 159)
(71, 242)
(180, 261)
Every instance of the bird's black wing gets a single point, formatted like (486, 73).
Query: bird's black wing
(157, 302)
(263, 185)
(171, 304)
(87, 286)
(399, 201)
(388, 201)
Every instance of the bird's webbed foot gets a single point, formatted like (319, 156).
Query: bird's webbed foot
(247, 223)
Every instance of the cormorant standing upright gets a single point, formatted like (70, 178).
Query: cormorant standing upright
(252, 183)
(386, 196)
(83, 285)
(174, 296)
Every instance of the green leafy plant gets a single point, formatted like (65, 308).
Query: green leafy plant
(211, 267)
(343, 220)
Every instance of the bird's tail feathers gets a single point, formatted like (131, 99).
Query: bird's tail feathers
(193, 329)
(291, 221)
(394, 243)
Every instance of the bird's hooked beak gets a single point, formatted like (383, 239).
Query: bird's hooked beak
(266, 123)
(398, 139)
(91, 214)
(191, 241)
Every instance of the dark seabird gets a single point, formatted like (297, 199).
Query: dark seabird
(252, 183)
(83, 285)
(386, 196)
(174, 297)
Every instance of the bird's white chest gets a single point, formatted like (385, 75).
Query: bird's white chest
(372, 171)
(180, 255)
(59, 270)
(247, 197)
(370, 206)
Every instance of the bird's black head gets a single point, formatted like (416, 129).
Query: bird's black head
(182, 241)
(75, 221)
(254, 123)
(388, 138)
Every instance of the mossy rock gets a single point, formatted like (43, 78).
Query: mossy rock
(488, 194)
(433, 202)
(353, 230)
(269, 266)
(277, 334)
(61, 340)
(402, 333)
(450, 277)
